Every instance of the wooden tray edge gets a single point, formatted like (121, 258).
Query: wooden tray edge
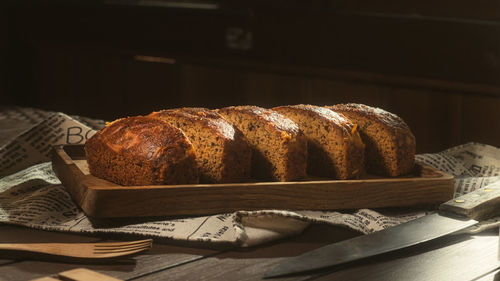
(98, 198)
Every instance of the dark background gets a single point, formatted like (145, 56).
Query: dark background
(434, 63)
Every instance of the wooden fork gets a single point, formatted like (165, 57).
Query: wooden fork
(97, 250)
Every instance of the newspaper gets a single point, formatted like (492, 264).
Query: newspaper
(31, 195)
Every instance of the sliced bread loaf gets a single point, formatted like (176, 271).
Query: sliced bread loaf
(279, 147)
(141, 151)
(390, 144)
(335, 147)
(222, 153)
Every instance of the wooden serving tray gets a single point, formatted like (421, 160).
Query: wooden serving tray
(103, 199)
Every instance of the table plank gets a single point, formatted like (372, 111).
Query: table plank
(451, 258)
(252, 263)
(160, 257)
(179, 262)
(442, 259)
(19, 234)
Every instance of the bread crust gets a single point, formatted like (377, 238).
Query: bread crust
(335, 147)
(279, 146)
(277, 122)
(390, 143)
(223, 155)
(141, 151)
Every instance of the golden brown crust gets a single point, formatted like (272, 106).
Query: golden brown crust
(141, 151)
(279, 146)
(381, 116)
(271, 118)
(390, 144)
(335, 147)
(223, 154)
(202, 116)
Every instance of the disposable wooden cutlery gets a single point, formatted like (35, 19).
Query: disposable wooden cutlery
(99, 250)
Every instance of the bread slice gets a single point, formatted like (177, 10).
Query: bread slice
(141, 151)
(390, 144)
(223, 155)
(279, 147)
(335, 147)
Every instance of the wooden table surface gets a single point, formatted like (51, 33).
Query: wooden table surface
(451, 258)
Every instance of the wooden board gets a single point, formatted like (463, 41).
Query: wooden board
(103, 199)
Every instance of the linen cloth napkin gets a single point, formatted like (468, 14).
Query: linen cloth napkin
(31, 195)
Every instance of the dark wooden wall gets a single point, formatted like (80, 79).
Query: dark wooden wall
(4, 27)
(435, 65)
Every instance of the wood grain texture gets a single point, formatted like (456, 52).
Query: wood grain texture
(451, 258)
(479, 204)
(100, 198)
(45, 279)
(83, 274)
(251, 263)
(160, 257)
(157, 263)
